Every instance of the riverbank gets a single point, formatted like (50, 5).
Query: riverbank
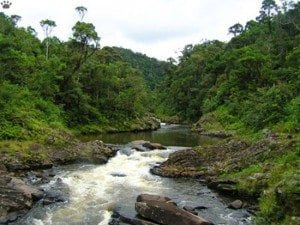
(265, 171)
(62, 146)
(36, 164)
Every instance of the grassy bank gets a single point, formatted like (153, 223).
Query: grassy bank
(265, 164)
(276, 182)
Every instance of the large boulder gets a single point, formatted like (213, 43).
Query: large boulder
(148, 197)
(16, 198)
(161, 210)
(29, 191)
(141, 145)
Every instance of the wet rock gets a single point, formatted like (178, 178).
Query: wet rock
(29, 191)
(59, 192)
(117, 218)
(118, 174)
(16, 198)
(237, 204)
(53, 197)
(126, 151)
(114, 222)
(52, 172)
(148, 197)
(141, 222)
(153, 146)
(200, 208)
(138, 145)
(100, 159)
(115, 214)
(190, 210)
(167, 214)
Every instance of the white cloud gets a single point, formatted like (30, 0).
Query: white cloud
(157, 28)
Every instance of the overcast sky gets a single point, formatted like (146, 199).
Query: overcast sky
(158, 28)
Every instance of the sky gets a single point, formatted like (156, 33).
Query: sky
(158, 28)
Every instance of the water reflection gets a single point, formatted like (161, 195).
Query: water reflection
(169, 135)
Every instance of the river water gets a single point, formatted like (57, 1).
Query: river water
(95, 191)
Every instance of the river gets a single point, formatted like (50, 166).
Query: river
(95, 191)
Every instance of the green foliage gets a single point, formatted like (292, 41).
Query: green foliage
(152, 69)
(85, 33)
(275, 181)
(250, 83)
(76, 85)
(24, 116)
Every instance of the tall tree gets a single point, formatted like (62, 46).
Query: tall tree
(81, 10)
(87, 40)
(268, 9)
(236, 29)
(47, 26)
(15, 18)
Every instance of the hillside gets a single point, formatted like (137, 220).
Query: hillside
(152, 69)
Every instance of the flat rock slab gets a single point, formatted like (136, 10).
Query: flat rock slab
(161, 210)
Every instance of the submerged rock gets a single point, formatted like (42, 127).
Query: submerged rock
(118, 174)
(141, 145)
(153, 146)
(59, 192)
(190, 210)
(117, 218)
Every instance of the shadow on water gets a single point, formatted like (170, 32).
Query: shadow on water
(169, 135)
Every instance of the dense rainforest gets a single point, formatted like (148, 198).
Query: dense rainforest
(75, 84)
(250, 82)
(248, 86)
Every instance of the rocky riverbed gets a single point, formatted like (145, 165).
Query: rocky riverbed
(18, 178)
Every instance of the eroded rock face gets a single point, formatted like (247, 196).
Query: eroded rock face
(167, 214)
